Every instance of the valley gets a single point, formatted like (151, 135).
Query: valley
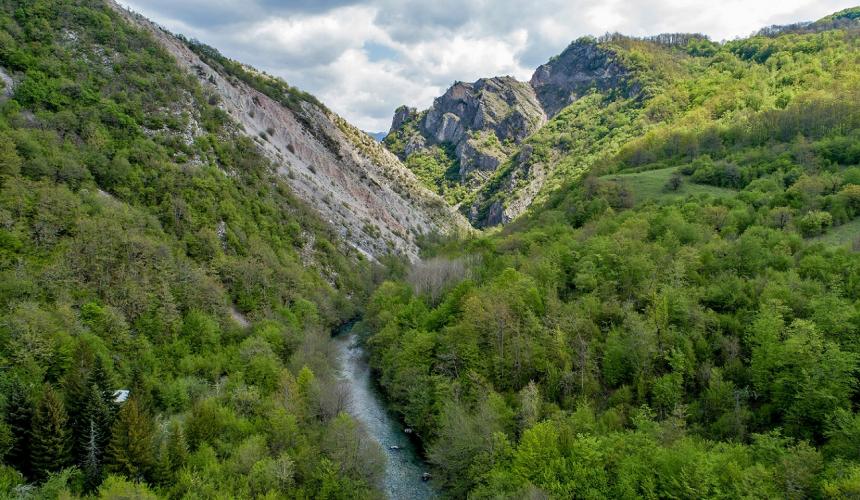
(635, 275)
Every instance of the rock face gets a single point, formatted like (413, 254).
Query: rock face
(482, 122)
(584, 65)
(374, 202)
(8, 84)
(402, 115)
(502, 105)
(488, 123)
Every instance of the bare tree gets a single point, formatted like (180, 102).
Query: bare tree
(433, 277)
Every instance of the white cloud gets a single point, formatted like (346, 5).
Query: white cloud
(363, 58)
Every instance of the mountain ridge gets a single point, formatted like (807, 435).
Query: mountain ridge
(619, 69)
(359, 187)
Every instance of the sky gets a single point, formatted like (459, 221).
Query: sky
(364, 58)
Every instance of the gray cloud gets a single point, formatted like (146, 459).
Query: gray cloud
(363, 58)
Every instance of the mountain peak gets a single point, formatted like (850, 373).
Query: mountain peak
(583, 66)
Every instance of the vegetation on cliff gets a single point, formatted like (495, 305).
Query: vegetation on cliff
(671, 319)
(138, 231)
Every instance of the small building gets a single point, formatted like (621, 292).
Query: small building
(120, 396)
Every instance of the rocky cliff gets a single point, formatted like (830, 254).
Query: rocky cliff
(360, 188)
(481, 122)
(485, 126)
(584, 66)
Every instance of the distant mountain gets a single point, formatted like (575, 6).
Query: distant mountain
(378, 136)
(458, 144)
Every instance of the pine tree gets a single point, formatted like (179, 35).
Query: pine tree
(100, 377)
(177, 447)
(19, 416)
(95, 437)
(75, 388)
(172, 453)
(51, 442)
(131, 450)
(92, 462)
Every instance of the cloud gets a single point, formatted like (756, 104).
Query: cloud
(363, 58)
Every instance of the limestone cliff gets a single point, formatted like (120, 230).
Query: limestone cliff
(486, 125)
(583, 66)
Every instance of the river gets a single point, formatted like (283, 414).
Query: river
(404, 466)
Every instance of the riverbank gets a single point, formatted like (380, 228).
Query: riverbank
(404, 466)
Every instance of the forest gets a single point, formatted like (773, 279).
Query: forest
(679, 317)
(136, 256)
(676, 316)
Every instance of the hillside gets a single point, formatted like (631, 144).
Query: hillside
(601, 93)
(454, 146)
(356, 185)
(676, 314)
(671, 308)
(150, 243)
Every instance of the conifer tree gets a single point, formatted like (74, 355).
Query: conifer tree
(50, 447)
(177, 447)
(100, 377)
(172, 453)
(92, 460)
(95, 436)
(19, 416)
(75, 389)
(131, 450)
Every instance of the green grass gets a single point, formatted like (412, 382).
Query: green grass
(846, 234)
(650, 185)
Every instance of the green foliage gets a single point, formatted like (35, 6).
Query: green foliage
(438, 169)
(51, 443)
(649, 338)
(140, 232)
(130, 452)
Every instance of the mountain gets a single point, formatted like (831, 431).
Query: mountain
(459, 143)
(468, 132)
(188, 231)
(375, 203)
(672, 308)
(378, 136)
(511, 174)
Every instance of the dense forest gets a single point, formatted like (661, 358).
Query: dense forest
(677, 315)
(679, 318)
(147, 246)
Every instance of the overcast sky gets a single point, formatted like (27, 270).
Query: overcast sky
(363, 58)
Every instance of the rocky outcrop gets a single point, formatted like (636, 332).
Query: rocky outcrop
(583, 66)
(8, 84)
(468, 112)
(481, 123)
(402, 115)
(360, 188)
(489, 121)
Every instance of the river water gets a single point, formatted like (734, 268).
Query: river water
(403, 469)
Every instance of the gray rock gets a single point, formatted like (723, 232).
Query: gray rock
(467, 113)
(473, 157)
(8, 84)
(503, 105)
(496, 214)
(345, 175)
(584, 65)
(450, 129)
(402, 115)
(415, 143)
